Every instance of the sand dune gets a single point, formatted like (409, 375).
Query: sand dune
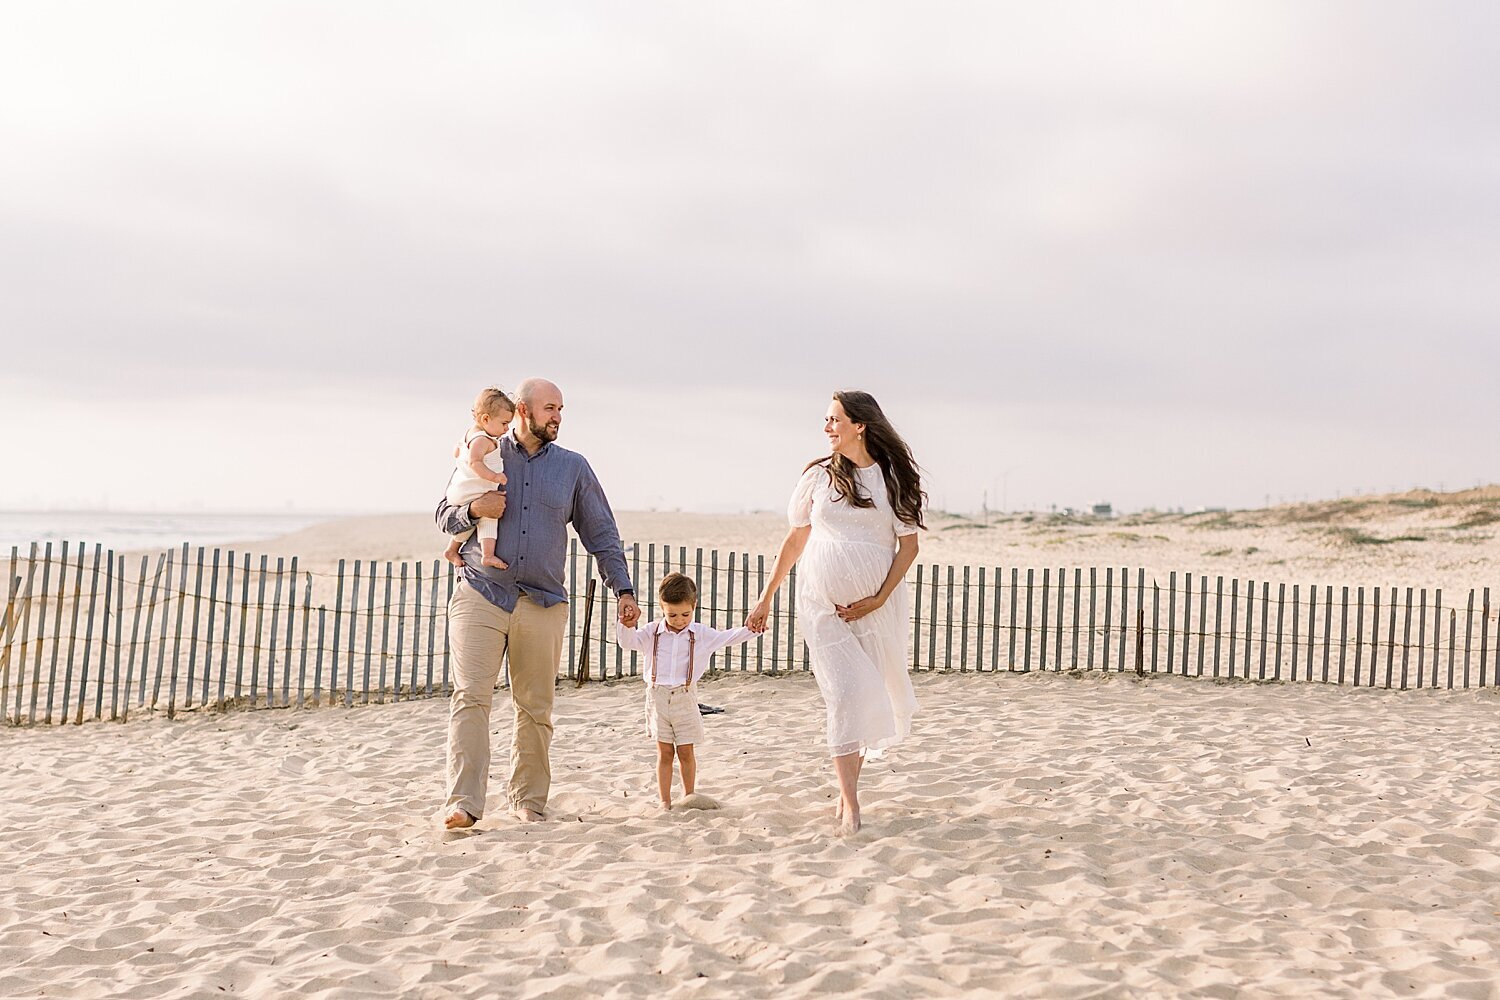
(1039, 836)
(1418, 539)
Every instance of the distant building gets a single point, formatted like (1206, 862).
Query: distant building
(1104, 510)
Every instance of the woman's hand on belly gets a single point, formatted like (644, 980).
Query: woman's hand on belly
(854, 612)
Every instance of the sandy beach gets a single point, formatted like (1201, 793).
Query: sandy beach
(1041, 836)
(1049, 835)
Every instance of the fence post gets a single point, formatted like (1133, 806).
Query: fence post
(286, 646)
(1093, 593)
(1046, 575)
(432, 622)
(88, 639)
(1344, 632)
(12, 587)
(385, 633)
(1218, 620)
(1077, 603)
(416, 626)
(275, 631)
(146, 642)
(228, 619)
(208, 639)
(1171, 622)
(447, 648)
(963, 632)
(1390, 649)
(1026, 656)
(41, 634)
(318, 667)
(62, 588)
(119, 627)
(369, 631)
(1062, 589)
(103, 636)
(1484, 633)
(1202, 621)
(1140, 639)
(1109, 604)
(916, 628)
(302, 658)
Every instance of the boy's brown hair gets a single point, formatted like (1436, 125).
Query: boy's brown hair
(675, 588)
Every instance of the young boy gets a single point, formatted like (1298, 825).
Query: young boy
(676, 651)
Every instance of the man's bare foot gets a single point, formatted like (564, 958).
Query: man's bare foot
(526, 815)
(494, 562)
(452, 555)
(458, 820)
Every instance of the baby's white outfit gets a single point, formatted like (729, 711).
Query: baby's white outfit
(674, 662)
(465, 485)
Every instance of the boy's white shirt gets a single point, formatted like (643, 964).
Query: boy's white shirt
(672, 671)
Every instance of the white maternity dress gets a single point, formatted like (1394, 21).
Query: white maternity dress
(860, 666)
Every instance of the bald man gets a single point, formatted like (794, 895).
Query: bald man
(521, 610)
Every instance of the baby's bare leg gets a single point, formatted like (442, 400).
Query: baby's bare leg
(689, 762)
(664, 773)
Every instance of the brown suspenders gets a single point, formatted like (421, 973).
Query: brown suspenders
(656, 645)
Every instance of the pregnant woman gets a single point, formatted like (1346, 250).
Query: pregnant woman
(854, 518)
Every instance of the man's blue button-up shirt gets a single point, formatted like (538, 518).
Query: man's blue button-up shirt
(544, 493)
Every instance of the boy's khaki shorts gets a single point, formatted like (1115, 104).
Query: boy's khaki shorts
(672, 715)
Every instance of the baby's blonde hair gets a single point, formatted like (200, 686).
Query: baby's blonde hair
(490, 402)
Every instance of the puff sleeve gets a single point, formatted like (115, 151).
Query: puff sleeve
(799, 508)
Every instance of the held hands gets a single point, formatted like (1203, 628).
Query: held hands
(755, 621)
(854, 612)
(630, 612)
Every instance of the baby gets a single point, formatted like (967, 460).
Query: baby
(479, 468)
(677, 650)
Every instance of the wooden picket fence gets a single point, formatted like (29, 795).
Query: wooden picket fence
(84, 635)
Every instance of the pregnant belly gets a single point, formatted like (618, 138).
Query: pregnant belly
(843, 572)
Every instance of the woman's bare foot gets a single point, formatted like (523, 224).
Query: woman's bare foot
(665, 804)
(849, 823)
(452, 554)
(494, 562)
(458, 820)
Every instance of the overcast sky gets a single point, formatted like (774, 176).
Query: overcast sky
(261, 255)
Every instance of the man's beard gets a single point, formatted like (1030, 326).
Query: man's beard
(542, 432)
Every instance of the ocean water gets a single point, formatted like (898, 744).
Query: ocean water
(128, 532)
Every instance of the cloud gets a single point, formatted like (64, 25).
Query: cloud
(1153, 210)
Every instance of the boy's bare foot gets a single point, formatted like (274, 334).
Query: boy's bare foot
(452, 555)
(494, 562)
(458, 820)
(526, 815)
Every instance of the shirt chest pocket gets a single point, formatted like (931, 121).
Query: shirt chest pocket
(556, 494)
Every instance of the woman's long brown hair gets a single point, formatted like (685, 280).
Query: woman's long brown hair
(903, 482)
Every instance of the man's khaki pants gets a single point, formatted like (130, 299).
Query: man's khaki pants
(480, 634)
